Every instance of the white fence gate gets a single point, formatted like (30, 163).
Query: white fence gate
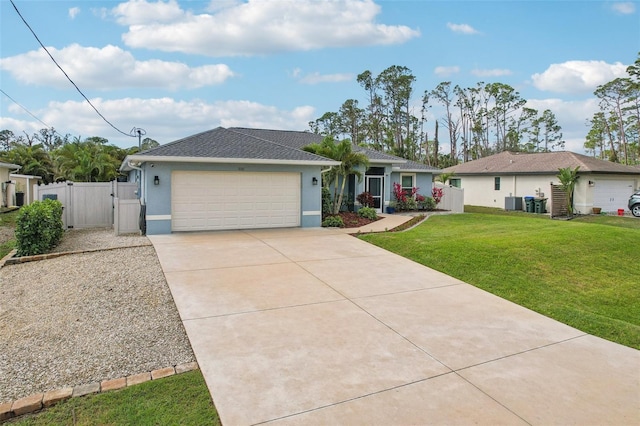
(452, 198)
(88, 204)
(126, 215)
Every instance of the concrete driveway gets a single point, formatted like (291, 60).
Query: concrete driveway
(312, 326)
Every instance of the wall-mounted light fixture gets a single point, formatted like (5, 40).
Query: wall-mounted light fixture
(592, 183)
(314, 180)
(156, 180)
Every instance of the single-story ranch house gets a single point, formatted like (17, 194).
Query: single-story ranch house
(488, 181)
(239, 178)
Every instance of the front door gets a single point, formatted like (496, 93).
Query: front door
(373, 185)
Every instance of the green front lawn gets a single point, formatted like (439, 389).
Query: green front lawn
(583, 272)
(177, 400)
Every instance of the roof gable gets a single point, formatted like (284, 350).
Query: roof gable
(538, 163)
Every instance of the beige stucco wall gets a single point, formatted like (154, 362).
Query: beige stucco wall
(26, 186)
(479, 190)
(4, 174)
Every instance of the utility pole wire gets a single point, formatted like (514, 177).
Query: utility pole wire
(28, 112)
(65, 74)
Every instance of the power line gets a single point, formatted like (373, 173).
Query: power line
(24, 108)
(65, 74)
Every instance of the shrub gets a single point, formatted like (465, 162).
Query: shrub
(38, 227)
(437, 194)
(333, 222)
(368, 213)
(427, 203)
(327, 203)
(366, 199)
(410, 204)
(405, 199)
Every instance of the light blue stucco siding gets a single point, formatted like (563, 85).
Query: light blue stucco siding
(423, 180)
(158, 197)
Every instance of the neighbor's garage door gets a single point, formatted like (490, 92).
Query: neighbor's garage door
(611, 195)
(234, 200)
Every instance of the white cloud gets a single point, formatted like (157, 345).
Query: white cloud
(496, 72)
(217, 5)
(577, 76)
(109, 67)
(164, 119)
(316, 77)
(20, 126)
(446, 71)
(141, 12)
(462, 28)
(624, 8)
(73, 12)
(257, 27)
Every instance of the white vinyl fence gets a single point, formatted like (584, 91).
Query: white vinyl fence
(92, 204)
(452, 199)
(126, 214)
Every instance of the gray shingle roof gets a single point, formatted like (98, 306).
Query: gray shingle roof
(259, 144)
(538, 163)
(415, 166)
(290, 138)
(301, 139)
(228, 143)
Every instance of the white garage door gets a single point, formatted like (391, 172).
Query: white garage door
(611, 195)
(202, 201)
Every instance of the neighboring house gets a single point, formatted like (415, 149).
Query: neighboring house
(25, 183)
(7, 188)
(240, 178)
(488, 181)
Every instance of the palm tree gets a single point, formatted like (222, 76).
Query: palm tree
(444, 177)
(568, 179)
(350, 164)
(86, 161)
(33, 159)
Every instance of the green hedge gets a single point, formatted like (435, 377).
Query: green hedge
(368, 213)
(39, 227)
(333, 222)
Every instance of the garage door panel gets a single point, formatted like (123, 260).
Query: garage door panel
(611, 195)
(234, 200)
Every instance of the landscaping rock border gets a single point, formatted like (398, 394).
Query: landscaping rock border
(34, 403)
(98, 308)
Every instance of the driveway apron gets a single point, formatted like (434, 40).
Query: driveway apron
(313, 326)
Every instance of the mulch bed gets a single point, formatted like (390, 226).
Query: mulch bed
(352, 220)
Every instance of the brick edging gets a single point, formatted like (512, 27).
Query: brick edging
(38, 401)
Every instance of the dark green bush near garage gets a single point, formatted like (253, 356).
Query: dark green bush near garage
(39, 227)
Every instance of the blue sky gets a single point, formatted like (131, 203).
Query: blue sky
(175, 68)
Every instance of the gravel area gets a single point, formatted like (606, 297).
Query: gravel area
(86, 317)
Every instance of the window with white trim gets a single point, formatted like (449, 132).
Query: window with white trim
(407, 181)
